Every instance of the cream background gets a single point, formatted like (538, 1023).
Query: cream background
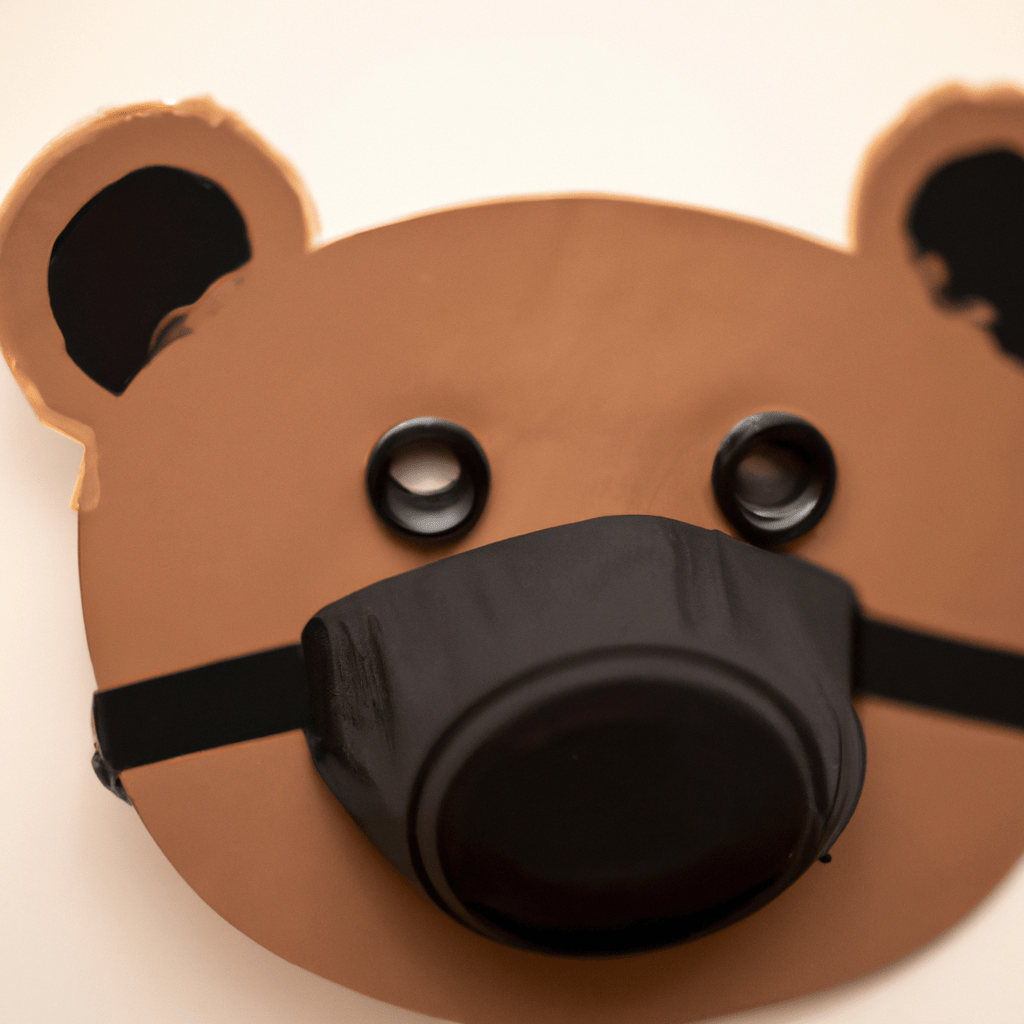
(388, 109)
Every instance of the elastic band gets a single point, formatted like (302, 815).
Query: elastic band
(264, 694)
(944, 675)
(210, 706)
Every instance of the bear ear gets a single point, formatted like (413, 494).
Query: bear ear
(115, 228)
(941, 199)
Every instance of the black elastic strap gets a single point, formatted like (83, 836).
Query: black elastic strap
(264, 694)
(904, 665)
(211, 706)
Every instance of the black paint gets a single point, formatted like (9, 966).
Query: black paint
(971, 213)
(146, 245)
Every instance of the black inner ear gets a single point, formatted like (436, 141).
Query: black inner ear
(971, 214)
(149, 243)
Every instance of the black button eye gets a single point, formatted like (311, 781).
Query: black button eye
(428, 479)
(773, 477)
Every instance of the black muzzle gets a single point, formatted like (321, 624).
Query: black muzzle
(595, 739)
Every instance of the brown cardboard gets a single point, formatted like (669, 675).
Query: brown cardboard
(599, 349)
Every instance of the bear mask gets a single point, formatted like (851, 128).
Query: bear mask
(491, 446)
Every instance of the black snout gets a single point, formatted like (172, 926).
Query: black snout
(595, 739)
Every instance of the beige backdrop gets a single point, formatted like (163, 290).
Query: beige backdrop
(386, 110)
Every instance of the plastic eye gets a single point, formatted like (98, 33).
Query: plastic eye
(773, 477)
(428, 479)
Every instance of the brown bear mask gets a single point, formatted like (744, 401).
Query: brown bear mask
(479, 598)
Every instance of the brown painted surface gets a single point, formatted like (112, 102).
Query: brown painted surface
(599, 349)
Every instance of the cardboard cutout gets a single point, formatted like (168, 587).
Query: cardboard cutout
(231, 383)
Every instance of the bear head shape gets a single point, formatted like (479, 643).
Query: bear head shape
(274, 428)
